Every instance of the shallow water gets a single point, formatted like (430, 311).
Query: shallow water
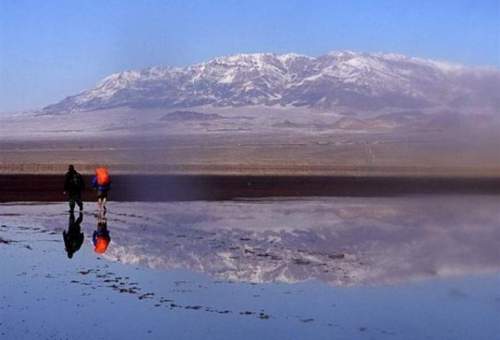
(311, 268)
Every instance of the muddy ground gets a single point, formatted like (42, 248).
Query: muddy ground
(219, 187)
(344, 268)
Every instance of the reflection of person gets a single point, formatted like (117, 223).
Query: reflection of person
(101, 237)
(73, 186)
(73, 237)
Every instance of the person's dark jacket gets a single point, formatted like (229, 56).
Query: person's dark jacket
(73, 182)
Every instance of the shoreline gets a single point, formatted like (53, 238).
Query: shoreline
(134, 187)
(256, 169)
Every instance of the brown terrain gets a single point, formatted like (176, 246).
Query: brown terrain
(229, 166)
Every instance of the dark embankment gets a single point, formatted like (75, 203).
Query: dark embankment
(184, 187)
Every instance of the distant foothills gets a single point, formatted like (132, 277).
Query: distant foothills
(342, 82)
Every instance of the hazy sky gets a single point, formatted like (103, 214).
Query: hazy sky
(51, 49)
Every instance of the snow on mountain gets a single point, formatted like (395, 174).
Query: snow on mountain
(358, 81)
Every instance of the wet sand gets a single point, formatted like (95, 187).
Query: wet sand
(220, 187)
(341, 268)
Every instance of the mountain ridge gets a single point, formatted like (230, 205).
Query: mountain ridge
(339, 79)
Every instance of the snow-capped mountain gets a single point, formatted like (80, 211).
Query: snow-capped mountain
(357, 81)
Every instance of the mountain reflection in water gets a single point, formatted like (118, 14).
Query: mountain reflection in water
(338, 241)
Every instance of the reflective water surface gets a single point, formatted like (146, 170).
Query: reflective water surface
(311, 268)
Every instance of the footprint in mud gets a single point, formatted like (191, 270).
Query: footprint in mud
(2, 241)
(300, 261)
(177, 283)
(123, 285)
(263, 316)
(247, 313)
(10, 242)
(146, 296)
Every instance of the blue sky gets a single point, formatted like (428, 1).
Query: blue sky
(51, 49)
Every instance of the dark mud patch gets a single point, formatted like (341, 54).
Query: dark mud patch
(11, 242)
(17, 187)
(146, 296)
(3, 241)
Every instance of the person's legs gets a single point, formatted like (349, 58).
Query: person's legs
(71, 200)
(79, 202)
(102, 197)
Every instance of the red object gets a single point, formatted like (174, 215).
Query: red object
(101, 244)
(102, 176)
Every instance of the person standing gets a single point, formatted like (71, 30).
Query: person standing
(73, 186)
(102, 183)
